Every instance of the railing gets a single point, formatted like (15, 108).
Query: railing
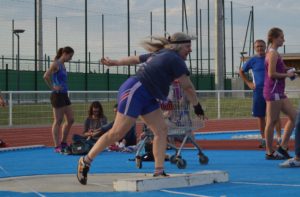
(34, 108)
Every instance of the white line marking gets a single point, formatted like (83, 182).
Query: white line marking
(21, 148)
(31, 189)
(183, 193)
(266, 184)
(222, 132)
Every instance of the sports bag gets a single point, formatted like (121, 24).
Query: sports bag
(80, 148)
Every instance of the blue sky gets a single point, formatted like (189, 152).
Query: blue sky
(70, 13)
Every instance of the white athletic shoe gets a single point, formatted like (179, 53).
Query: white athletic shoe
(290, 163)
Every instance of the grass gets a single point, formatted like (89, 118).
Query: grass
(41, 114)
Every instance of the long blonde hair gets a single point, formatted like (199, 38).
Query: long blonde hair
(173, 42)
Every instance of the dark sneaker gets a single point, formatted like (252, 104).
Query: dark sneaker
(66, 151)
(283, 152)
(82, 171)
(64, 145)
(275, 156)
(161, 174)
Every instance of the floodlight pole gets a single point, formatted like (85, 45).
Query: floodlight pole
(17, 32)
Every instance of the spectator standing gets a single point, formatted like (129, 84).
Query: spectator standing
(276, 99)
(56, 79)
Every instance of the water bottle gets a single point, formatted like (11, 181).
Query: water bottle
(292, 70)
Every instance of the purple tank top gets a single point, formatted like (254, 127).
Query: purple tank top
(274, 88)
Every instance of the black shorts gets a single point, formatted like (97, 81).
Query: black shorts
(59, 100)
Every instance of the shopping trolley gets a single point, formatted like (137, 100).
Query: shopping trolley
(181, 123)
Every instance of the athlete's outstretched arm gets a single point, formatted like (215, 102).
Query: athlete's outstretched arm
(120, 62)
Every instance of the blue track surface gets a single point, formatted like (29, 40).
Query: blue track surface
(249, 173)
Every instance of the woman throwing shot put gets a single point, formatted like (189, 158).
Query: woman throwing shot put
(139, 96)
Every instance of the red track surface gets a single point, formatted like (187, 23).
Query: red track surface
(41, 135)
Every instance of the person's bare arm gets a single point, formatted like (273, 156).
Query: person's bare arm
(121, 62)
(2, 102)
(249, 83)
(88, 133)
(47, 76)
(190, 92)
(188, 88)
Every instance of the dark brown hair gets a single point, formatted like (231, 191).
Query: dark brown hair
(97, 105)
(66, 49)
(272, 34)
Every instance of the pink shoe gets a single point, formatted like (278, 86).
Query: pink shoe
(57, 149)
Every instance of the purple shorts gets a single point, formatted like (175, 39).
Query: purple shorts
(134, 99)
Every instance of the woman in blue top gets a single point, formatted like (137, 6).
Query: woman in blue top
(56, 79)
(139, 96)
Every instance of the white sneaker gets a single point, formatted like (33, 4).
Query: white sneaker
(290, 163)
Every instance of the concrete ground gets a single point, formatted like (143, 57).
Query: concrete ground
(65, 182)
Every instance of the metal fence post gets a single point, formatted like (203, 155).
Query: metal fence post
(219, 104)
(10, 109)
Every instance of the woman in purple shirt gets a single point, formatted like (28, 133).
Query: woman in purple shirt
(276, 100)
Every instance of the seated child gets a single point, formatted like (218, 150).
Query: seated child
(92, 126)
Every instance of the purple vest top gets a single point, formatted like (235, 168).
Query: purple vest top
(274, 86)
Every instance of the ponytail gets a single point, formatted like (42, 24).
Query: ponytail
(156, 45)
(173, 42)
(59, 53)
(66, 49)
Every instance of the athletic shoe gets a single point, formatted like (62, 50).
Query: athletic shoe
(160, 174)
(290, 163)
(275, 156)
(60, 148)
(66, 151)
(82, 170)
(57, 149)
(64, 145)
(64, 148)
(283, 152)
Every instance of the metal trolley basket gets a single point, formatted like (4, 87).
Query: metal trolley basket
(181, 123)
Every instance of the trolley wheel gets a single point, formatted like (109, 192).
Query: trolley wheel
(138, 162)
(181, 163)
(203, 159)
(173, 159)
